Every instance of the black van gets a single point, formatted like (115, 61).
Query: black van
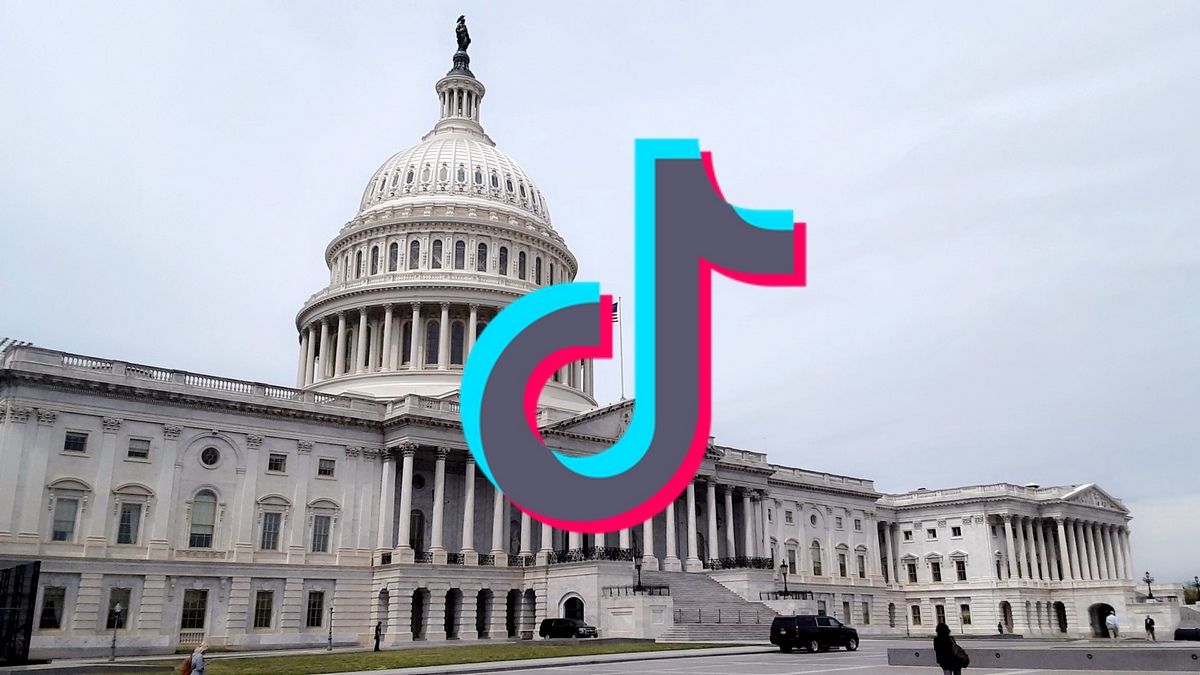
(566, 628)
(814, 633)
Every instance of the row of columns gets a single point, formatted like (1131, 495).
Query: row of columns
(1081, 550)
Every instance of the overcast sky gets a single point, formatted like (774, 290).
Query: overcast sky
(1004, 223)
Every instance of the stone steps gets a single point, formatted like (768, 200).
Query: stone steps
(706, 611)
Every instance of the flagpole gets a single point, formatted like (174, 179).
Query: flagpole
(621, 342)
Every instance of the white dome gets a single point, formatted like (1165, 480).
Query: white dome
(456, 165)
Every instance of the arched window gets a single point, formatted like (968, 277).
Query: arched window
(346, 267)
(374, 260)
(408, 179)
(416, 531)
(443, 174)
(358, 264)
(551, 279)
(406, 342)
(479, 329)
(393, 256)
(461, 177)
(395, 178)
(573, 609)
(204, 520)
(433, 331)
(426, 174)
(495, 180)
(414, 254)
(521, 265)
(349, 356)
(816, 558)
(522, 186)
(435, 258)
(508, 183)
(460, 255)
(478, 176)
(503, 269)
(537, 270)
(457, 337)
(481, 258)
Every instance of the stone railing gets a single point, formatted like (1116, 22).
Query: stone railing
(724, 616)
(455, 559)
(823, 479)
(590, 553)
(487, 560)
(415, 404)
(739, 562)
(972, 492)
(385, 558)
(423, 557)
(619, 591)
(423, 277)
(515, 560)
(785, 595)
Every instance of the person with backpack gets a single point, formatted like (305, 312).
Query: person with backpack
(950, 656)
(1150, 628)
(194, 664)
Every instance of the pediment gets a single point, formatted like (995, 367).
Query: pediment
(1091, 495)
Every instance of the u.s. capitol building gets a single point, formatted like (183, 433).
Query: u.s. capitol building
(251, 515)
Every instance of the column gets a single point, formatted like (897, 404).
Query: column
(1085, 572)
(387, 506)
(574, 541)
(323, 354)
(764, 548)
(730, 540)
(470, 556)
(748, 523)
(474, 320)
(407, 451)
(891, 562)
(1051, 555)
(1067, 571)
(94, 516)
(439, 509)
(623, 539)
(388, 319)
(1071, 566)
(1118, 554)
(1110, 562)
(360, 359)
(649, 560)
(591, 378)
(1128, 552)
(444, 338)
(373, 353)
(547, 544)
(693, 559)
(339, 358)
(671, 562)
(1098, 546)
(526, 534)
(1008, 541)
(711, 509)
(1089, 544)
(310, 355)
(1039, 544)
(1022, 570)
(300, 363)
(414, 354)
(498, 528)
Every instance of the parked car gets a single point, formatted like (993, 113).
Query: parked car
(814, 633)
(1187, 633)
(566, 628)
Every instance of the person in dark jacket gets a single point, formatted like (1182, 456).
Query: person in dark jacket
(1150, 628)
(943, 649)
(378, 634)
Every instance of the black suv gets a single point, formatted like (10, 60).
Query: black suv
(566, 628)
(814, 633)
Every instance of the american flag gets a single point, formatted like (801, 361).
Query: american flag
(616, 312)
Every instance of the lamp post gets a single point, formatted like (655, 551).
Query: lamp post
(329, 645)
(637, 565)
(1147, 579)
(112, 655)
(783, 570)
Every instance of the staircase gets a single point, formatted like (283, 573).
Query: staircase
(706, 611)
(1189, 617)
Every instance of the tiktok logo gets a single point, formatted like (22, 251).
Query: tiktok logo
(684, 231)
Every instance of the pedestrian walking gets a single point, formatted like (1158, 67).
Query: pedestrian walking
(950, 656)
(1000, 627)
(1111, 623)
(378, 634)
(198, 659)
(1150, 628)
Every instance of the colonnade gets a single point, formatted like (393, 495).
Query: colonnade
(1060, 548)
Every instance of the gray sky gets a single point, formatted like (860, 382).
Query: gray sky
(1004, 226)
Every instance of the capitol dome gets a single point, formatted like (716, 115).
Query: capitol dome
(447, 234)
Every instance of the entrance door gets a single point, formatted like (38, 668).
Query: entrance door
(1097, 613)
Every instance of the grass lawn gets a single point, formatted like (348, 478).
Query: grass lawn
(415, 657)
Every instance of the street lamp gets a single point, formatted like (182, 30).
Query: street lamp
(1147, 579)
(637, 565)
(783, 570)
(329, 645)
(112, 655)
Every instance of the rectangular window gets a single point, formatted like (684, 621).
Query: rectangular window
(916, 615)
(993, 530)
(117, 597)
(139, 448)
(820, 608)
(935, 570)
(931, 535)
(787, 517)
(263, 604)
(858, 525)
(64, 519)
(940, 612)
(770, 515)
(76, 441)
(964, 613)
(325, 467)
(791, 561)
(960, 569)
(195, 606)
(908, 535)
(846, 612)
(956, 531)
(842, 564)
(862, 567)
(270, 531)
(912, 573)
(320, 537)
(53, 599)
(127, 527)
(837, 522)
(817, 571)
(316, 609)
(866, 613)
(277, 463)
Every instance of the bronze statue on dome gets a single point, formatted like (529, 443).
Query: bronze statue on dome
(460, 31)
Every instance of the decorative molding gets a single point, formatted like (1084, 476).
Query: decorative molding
(47, 418)
(18, 414)
(304, 446)
(254, 441)
(442, 453)
(941, 522)
(373, 453)
(111, 425)
(171, 431)
(407, 449)
(353, 450)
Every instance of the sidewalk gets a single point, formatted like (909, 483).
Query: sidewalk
(553, 662)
